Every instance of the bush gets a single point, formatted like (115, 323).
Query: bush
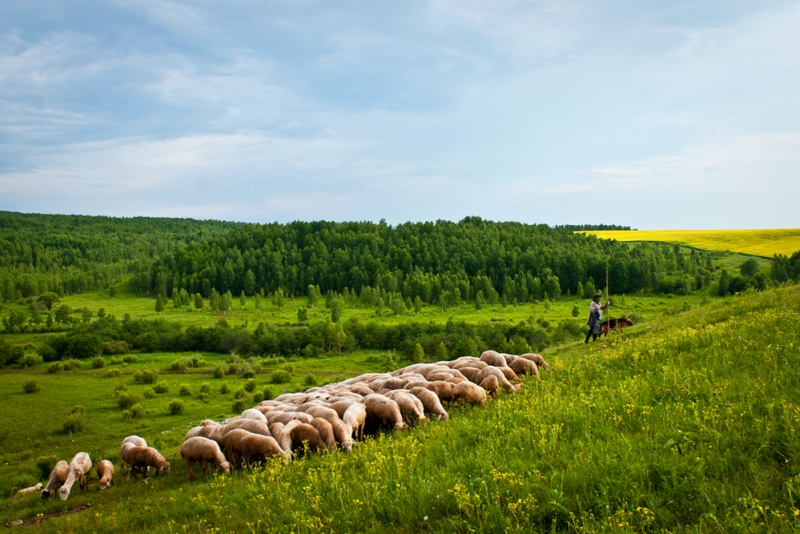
(29, 360)
(135, 412)
(225, 389)
(72, 424)
(161, 387)
(185, 390)
(55, 368)
(205, 388)
(127, 399)
(240, 394)
(250, 386)
(149, 393)
(98, 363)
(180, 365)
(112, 373)
(31, 386)
(176, 407)
(72, 364)
(146, 376)
(239, 406)
(280, 377)
(310, 381)
(267, 394)
(44, 465)
(129, 358)
(219, 372)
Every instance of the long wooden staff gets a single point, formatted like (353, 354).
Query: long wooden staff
(608, 314)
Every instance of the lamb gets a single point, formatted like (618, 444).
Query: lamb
(105, 471)
(381, 411)
(205, 450)
(469, 392)
(79, 468)
(411, 407)
(57, 478)
(355, 417)
(431, 402)
(141, 458)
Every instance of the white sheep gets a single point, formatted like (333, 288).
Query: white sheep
(355, 417)
(79, 469)
(381, 411)
(31, 489)
(253, 413)
(140, 459)
(204, 450)
(431, 402)
(410, 406)
(57, 478)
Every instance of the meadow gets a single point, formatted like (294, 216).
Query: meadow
(765, 242)
(686, 422)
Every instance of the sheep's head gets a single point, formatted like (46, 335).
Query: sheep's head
(226, 467)
(104, 483)
(63, 493)
(164, 467)
(45, 493)
(400, 426)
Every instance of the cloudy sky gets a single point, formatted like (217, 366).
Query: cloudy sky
(651, 114)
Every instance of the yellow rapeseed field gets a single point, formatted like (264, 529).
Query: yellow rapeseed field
(765, 242)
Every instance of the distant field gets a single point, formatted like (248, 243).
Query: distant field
(765, 242)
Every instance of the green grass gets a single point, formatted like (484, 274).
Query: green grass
(688, 423)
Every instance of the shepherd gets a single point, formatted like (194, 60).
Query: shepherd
(595, 317)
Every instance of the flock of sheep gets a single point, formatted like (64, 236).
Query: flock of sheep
(325, 418)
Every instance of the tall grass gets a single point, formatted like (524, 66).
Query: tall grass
(692, 425)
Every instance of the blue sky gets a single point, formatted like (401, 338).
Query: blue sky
(655, 115)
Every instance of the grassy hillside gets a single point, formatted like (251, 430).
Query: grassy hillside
(765, 243)
(688, 424)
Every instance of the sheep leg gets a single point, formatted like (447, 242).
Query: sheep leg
(203, 472)
(191, 473)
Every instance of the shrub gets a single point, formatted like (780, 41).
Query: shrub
(219, 372)
(146, 376)
(280, 377)
(29, 360)
(55, 368)
(240, 394)
(127, 399)
(176, 407)
(31, 386)
(44, 465)
(161, 387)
(72, 424)
(135, 412)
(72, 364)
(185, 390)
(205, 388)
(129, 358)
(180, 365)
(149, 393)
(310, 381)
(225, 389)
(267, 394)
(250, 385)
(239, 406)
(112, 373)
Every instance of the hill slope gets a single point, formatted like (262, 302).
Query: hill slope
(690, 425)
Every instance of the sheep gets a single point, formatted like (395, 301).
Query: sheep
(57, 478)
(523, 366)
(79, 468)
(32, 489)
(491, 370)
(443, 390)
(536, 358)
(469, 392)
(470, 372)
(105, 472)
(253, 413)
(286, 417)
(342, 432)
(206, 428)
(361, 389)
(257, 448)
(205, 450)
(141, 458)
(296, 433)
(382, 410)
(251, 425)
(355, 417)
(411, 407)
(325, 430)
(490, 384)
(230, 445)
(341, 406)
(493, 358)
(431, 402)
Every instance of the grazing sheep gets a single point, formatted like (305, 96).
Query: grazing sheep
(57, 478)
(523, 366)
(494, 358)
(276, 429)
(443, 390)
(490, 384)
(469, 392)
(537, 359)
(411, 407)
(355, 417)
(342, 432)
(471, 362)
(296, 433)
(382, 411)
(141, 458)
(470, 372)
(79, 469)
(361, 389)
(287, 417)
(255, 414)
(105, 471)
(431, 402)
(32, 489)
(205, 450)
(251, 425)
(325, 430)
(230, 445)
(341, 406)
(258, 448)
(494, 371)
